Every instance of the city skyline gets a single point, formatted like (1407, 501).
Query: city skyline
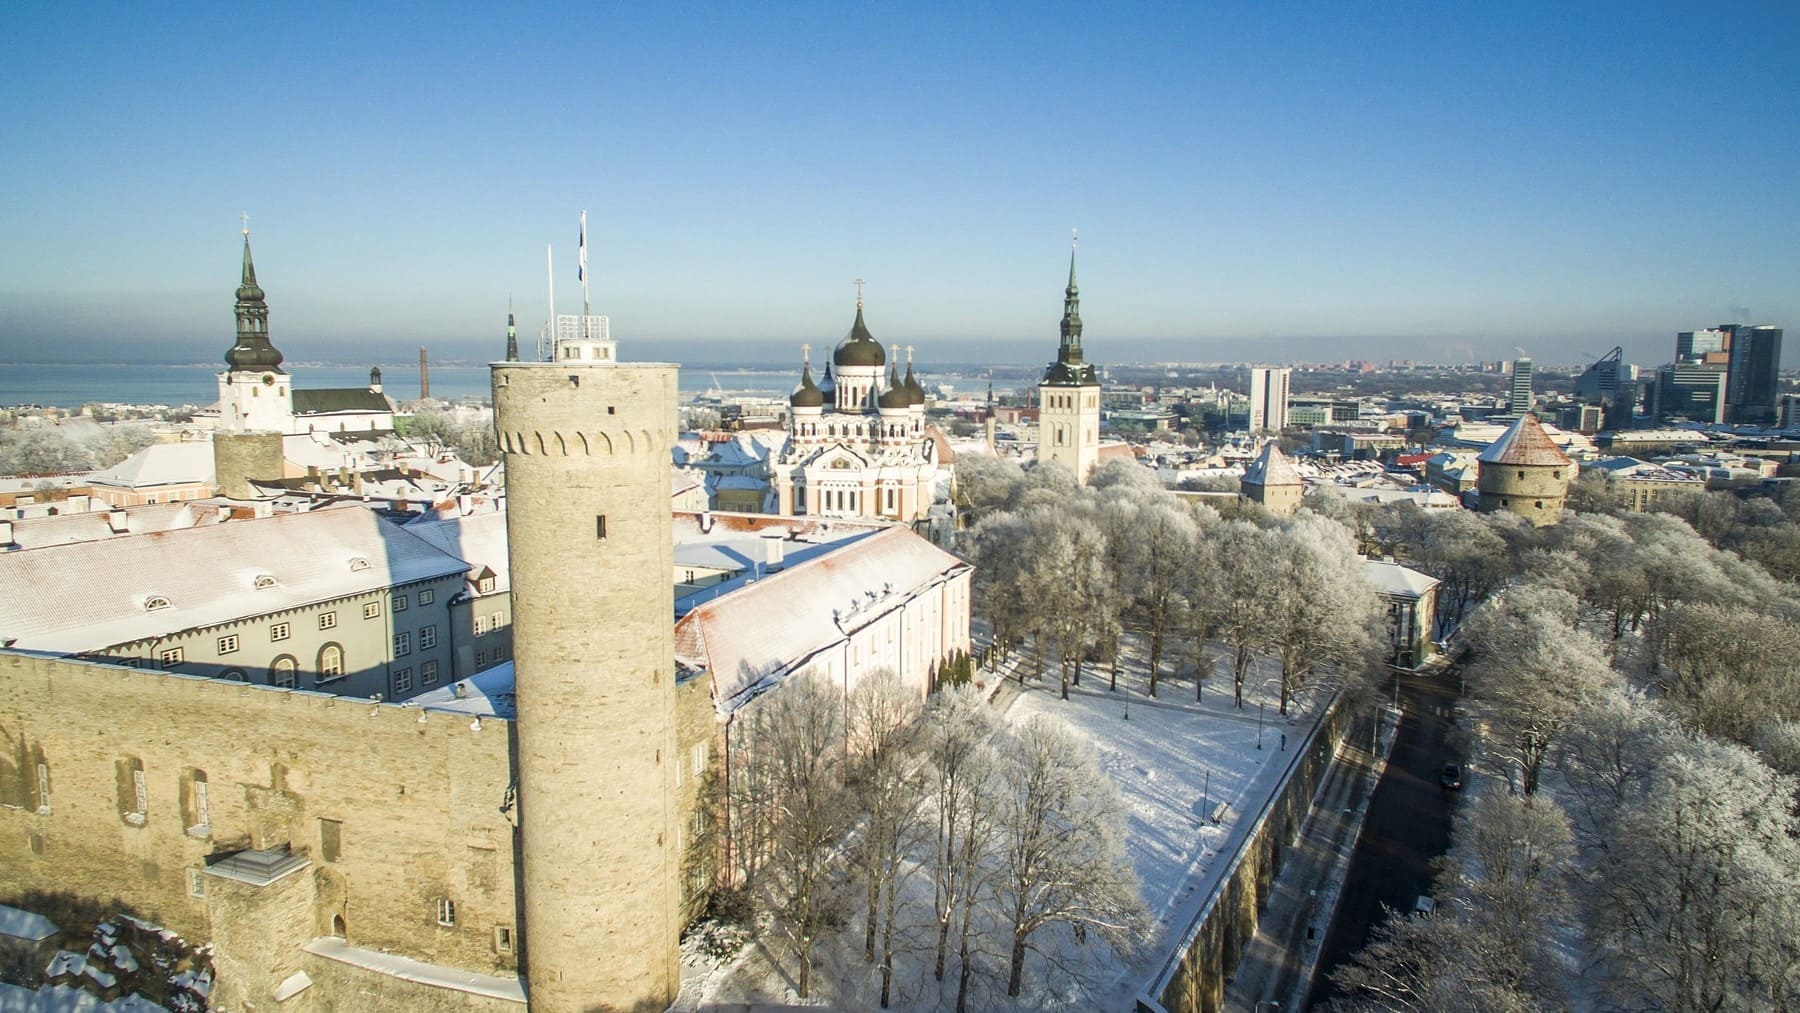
(1275, 186)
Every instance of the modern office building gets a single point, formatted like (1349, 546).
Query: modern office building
(1689, 390)
(1753, 376)
(1269, 399)
(1519, 402)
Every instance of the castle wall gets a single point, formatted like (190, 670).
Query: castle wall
(239, 457)
(1533, 491)
(589, 529)
(396, 809)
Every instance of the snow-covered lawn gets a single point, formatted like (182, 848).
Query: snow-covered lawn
(1173, 760)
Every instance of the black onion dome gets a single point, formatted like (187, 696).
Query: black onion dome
(859, 348)
(807, 395)
(915, 394)
(826, 383)
(893, 397)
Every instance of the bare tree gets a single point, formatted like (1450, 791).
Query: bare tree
(889, 779)
(1323, 609)
(1698, 894)
(805, 746)
(1532, 672)
(1062, 845)
(959, 742)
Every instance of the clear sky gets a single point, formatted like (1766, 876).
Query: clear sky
(1433, 180)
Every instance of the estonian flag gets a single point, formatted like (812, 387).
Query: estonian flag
(581, 268)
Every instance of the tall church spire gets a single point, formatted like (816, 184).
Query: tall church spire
(1069, 369)
(252, 351)
(1070, 350)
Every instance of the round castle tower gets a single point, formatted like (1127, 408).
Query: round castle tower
(587, 486)
(1526, 473)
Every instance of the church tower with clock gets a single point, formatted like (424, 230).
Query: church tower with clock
(255, 394)
(1069, 396)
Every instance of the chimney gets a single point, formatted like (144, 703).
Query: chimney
(465, 504)
(424, 375)
(6, 535)
(115, 519)
(774, 553)
(77, 504)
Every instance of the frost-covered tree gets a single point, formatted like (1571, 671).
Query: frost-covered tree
(1244, 594)
(804, 751)
(41, 450)
(1070, 587)
(1061, 845)
(1698, 892)
(1531, 672)
(997, 546)
(1322, 610)
(888, 777)
(1165, 537)
(960, 745)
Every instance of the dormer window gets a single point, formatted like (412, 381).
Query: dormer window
(155, 602)
(262, 581)
(485, 585)
(358, 563)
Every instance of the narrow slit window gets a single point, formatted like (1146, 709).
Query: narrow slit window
(600, 527)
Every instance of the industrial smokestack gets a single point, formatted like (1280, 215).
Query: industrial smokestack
(424, 374)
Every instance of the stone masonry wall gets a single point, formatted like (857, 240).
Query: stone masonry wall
(396, 808)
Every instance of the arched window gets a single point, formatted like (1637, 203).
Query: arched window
(234, 675)
(281, 671)
(154, 602)
(331, 662)
(262, 581)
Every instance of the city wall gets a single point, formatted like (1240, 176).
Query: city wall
(119, 787)
(1193, 977)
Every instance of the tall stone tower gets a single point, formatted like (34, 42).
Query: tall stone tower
(1069, 396)
(587, 445)
(1273, 481)
(256, 404)
(1526, 473)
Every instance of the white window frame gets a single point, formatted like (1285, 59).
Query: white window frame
(280, 632)
(402, 643)
(229, 644)
(428, 672)
(403, 680)
(446, 912)
(328, 620)
(171, 656)
(426, 596)
(400, 603)
(371, 610)
(427, 637)
(140, 789)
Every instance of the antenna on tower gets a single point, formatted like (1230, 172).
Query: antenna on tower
(549, 321)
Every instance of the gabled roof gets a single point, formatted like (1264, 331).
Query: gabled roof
(92, 595)
(1271, 467)
(1525, 443)
(761, 632)
(1388, 577)
(160, 464)
(478, 539)
(340, 399)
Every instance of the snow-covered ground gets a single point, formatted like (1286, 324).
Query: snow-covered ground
(1173, 760)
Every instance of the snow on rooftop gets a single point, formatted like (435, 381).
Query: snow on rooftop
(160, 464)
(1389, 577)
(91, 595)
(1524, 443)
(1271, 467)
(27, 925)
(487, 693)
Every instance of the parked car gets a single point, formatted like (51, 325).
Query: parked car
(1451, 777)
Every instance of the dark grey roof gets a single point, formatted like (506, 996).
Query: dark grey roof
(344, 399)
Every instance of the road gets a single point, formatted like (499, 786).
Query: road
(1408, 825)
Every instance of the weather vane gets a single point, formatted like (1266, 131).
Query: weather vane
(859, 285)
(1074, 238)
(246, 217)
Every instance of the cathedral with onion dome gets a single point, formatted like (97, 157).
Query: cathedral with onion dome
(857, 444)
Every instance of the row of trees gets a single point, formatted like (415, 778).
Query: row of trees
(943, 828)
(1640, 686)
(49, 450)
(473, 441)
(1071, 568)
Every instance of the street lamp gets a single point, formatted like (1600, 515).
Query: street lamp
(1259, 719)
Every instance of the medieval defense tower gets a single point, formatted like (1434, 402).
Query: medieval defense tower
(587, 442)
(1526, 473)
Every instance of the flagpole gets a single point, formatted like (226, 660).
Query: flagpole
(550, 279)
(584, 280)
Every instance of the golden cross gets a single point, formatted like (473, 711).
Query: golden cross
(859, 285)
(806, 353)
(246, 217)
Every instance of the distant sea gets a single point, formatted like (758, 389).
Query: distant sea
(71, 386)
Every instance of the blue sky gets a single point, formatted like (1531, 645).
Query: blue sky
(1250, 181)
